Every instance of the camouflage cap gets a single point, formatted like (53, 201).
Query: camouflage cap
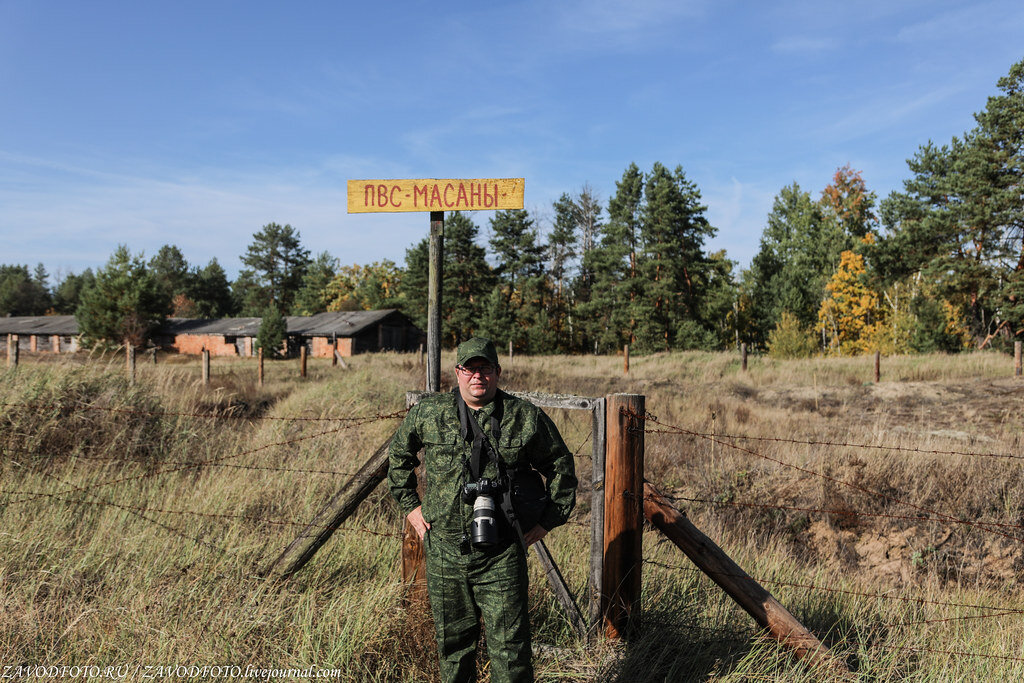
(476, 347)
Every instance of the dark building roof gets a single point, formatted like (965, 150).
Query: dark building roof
(64, 325)
(232, 327)
(343, 323)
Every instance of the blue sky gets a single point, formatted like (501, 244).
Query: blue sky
(196, 123)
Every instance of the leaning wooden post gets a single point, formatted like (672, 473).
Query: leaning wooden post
(129, 357)
(743, 354)
(327, 521)
(759, 603)
(302, 361)
(623, 512)
(878, 366)
(1016, 359)
(12, 350)
(206, 366)
(625, 359)
(259, 367)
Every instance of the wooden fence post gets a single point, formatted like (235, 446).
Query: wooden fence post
(510, 352)
(129, 357)
(623, 512)
(206, 366)
(12, 350)
(743, 354)
(302, 361)
(334, 349)
(625, 359)
(1016, 359)
(598, 420)
(878, 366)
(434, 276)
(259, 371)
(152, 355)
(414, 561)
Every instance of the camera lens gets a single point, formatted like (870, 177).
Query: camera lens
(484, 528)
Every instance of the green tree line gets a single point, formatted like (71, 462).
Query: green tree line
(938, 265)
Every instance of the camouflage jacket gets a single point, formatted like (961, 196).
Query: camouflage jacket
(528, 436)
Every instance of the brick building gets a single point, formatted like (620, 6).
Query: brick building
(51, 333)
(350, 332)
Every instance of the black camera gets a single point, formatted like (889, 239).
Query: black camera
(483, 530)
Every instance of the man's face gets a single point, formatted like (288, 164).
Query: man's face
(478, 381)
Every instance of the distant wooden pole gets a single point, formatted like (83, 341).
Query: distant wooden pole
(1017, 358)
(510, 352)
(434, 300)
(129, 357)
(12, 350)
(334, 349)
(152, 355)
(623, 512)
(743, 354)
(302, 361)
(878, 366)
(625, 361)
(759, 603)
(421, 355)
(206, 366)
(259, 370)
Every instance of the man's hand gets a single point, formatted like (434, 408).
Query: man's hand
(535, 534)
(418, 523)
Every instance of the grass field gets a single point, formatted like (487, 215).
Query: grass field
(886, 517)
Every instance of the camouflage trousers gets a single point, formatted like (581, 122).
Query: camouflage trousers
(464, 583)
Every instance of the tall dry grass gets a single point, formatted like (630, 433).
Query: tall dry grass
(135, 518)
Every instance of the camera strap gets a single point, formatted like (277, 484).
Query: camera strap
(483, 449)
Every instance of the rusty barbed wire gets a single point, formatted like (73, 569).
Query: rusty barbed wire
(201, 463)
(171, 413)
(222, 515)
(841, 591)
(835, 480)
(848, 512)
(833, 444)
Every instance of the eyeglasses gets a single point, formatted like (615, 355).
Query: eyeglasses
(483, 370)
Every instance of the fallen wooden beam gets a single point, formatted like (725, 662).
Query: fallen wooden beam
(750, 595)
(327, 521)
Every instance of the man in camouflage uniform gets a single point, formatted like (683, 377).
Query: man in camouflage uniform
(463, 580)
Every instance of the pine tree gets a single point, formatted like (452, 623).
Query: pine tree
(617, 286)
(800, 249)
(313, 297)
(124, 305)
(277, 263)
(211, 291)
(520, 272)
(467, 282)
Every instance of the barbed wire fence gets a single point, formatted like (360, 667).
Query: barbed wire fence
(69, 493)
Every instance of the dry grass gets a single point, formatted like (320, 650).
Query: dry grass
(135, 517)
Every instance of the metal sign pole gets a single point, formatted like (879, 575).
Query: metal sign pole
(434, 301)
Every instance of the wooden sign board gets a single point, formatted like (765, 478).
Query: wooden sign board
(434, 194)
